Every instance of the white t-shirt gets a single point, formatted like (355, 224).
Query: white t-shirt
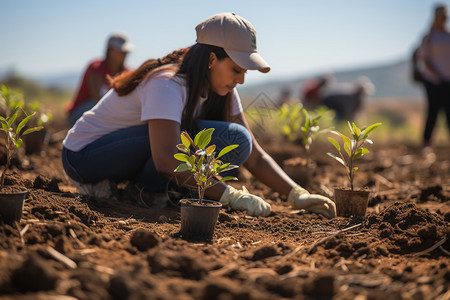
(163, 96)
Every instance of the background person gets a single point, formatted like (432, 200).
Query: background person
(95, 83)
(133, 131)
(346, 99)
(434, 65)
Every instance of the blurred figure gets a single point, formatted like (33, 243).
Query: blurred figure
(346, 98)
(312, 89)
(286, 96)
(95, 82)
(434, 65)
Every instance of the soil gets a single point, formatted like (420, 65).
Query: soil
(69, 246)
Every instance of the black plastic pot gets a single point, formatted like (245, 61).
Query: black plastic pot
(35, 141)
(351, 203)
(11, 206)
(198, 221)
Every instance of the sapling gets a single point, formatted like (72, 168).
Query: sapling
(353, 146)
(14, 132)
(200, 159)
(43, 117)
(296, 126)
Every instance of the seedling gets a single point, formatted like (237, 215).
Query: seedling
(43, 117)
(296, 126)
(14, 132)
(353, 147)
(202, 161)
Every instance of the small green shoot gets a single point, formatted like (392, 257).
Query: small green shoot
(202, 161)
(353, 147)
(300, 123)
(14, 132)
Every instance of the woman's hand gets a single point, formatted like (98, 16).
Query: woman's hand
(242, 199)
(299, 198)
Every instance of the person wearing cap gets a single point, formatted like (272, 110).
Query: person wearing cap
(95, 83)
(133, 132)
(434, 65)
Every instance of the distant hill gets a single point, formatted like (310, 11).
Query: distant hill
(390, 80)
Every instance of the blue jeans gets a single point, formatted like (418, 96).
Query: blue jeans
(125, 155)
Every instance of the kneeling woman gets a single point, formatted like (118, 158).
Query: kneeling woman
(132, 133)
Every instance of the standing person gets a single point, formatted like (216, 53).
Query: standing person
(434, 64)
(95, 83)
(133, 132)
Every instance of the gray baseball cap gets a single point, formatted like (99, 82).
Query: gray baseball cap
(236, 36)
(119, 41)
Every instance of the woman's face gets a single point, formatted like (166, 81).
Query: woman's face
(225, 74)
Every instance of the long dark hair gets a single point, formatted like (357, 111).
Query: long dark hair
(192, 63)
(195, 68)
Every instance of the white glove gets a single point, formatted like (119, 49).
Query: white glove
(299, 198)
(242, 199)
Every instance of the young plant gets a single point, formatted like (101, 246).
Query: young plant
(353, 147)
(200, 159)
(296, 126)
(13, 131)
(43, 117)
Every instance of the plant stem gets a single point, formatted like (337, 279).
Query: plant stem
(9, 154)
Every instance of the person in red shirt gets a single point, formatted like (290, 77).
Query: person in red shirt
(95, 82)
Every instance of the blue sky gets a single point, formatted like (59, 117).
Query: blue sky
(296, 37)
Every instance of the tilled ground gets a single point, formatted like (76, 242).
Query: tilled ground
(86, 248)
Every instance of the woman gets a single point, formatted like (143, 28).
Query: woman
(434, 64)
(133, 131)
(95, 83)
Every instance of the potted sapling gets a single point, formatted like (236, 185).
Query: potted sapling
(351, 201)
(11, 197)
(199, 216)
(302, 126)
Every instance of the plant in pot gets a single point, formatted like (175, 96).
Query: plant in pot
(35, 141)
(351, 201)
(301, 126)
(199, 216)
(12, 197)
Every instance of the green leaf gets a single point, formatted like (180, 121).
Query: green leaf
(226, 150)
(5, 126)
(228, 168)
(186, 139)
(18, 143)
(347, 150)
(340, 160)
(227, 178)
(24, 122)
(205, 138)
(13, 116)
(286, 129)
(181, 157)
(335, 144)
(30, 130)
(210, 149)
(221, 166)
(360, 152)
(200, 163)
(182, 168)
(370, 128)
(191, 160)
